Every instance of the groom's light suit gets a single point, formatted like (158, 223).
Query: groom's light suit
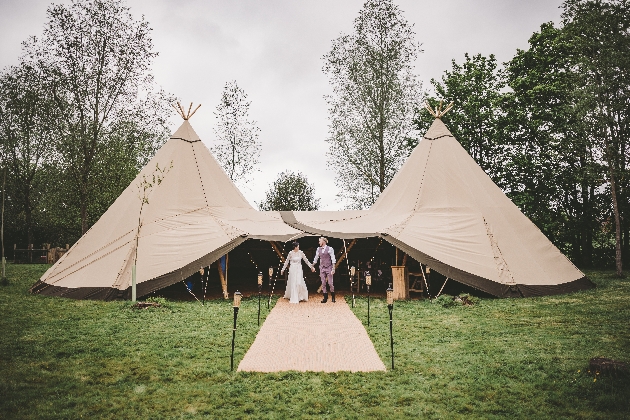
(326, 257)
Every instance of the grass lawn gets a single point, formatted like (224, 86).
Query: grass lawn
(503, 358)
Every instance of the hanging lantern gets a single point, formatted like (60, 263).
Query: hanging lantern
(368, 279)
(260, 278)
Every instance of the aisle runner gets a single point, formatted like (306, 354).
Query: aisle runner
(312, 336)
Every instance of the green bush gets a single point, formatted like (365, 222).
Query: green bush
(464, 299)
(446, 301)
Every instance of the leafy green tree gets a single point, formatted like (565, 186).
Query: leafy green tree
(29, 140)
(372, 105)
(599, 32)
(237, 147)
(551, 170)
(291, 191)
(475, 89)
(98, 60)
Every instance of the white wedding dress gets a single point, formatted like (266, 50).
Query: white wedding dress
(296, 287)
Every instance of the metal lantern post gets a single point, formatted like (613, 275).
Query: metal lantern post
(270, 279)
(236, 305)
(260, 279)
(390, 307)
(368, 283)
(352, 272)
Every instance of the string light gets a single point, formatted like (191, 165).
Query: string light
(205, 287)
(379, 244)
(252, 260)
(275, 278)
(190, 291)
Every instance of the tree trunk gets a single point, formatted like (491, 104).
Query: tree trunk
(84, 203)
(585, 227)
(28, 215)
(84, 224)
(625, 246)
(613, 192)
(4, 187)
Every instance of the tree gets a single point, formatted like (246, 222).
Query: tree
(600, 33)
(237, 147)
(475, 89)
(550, 168)
(372, 106)
(29, 139)
(291, 191)
(98, 62)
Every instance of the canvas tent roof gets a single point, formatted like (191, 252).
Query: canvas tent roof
(193, 217)
(441, 208)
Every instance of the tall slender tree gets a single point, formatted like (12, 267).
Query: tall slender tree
(372, 106)
(236, 147)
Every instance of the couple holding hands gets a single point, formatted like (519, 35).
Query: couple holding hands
(296, 287)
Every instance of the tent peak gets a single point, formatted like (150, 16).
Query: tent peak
(185, 115)
(437, 130)
(186, 132)
(438, 112)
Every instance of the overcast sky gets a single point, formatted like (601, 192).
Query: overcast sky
(274, 49)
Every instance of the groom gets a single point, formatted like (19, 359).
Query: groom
(326, 257)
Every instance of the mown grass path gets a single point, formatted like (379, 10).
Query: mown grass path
(523, 358)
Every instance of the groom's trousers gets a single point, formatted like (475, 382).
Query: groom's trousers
(326, 276)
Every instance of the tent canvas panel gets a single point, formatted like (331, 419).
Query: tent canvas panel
(453, 236)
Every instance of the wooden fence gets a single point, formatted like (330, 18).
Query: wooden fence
(31, 255)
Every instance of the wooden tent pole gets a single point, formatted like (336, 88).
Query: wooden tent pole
(426, 284)
(343, 256)
(222, 278)
(275, 248)
(193, 113)
(348, 264)
(436, 296)
(227, 266)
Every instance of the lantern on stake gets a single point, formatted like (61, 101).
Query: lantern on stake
(260, 281)
(390, 307)
(236, 305)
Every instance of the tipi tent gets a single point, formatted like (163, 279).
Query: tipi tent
(443, 210)
(194, 216)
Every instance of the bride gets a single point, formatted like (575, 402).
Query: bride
(296, 287)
